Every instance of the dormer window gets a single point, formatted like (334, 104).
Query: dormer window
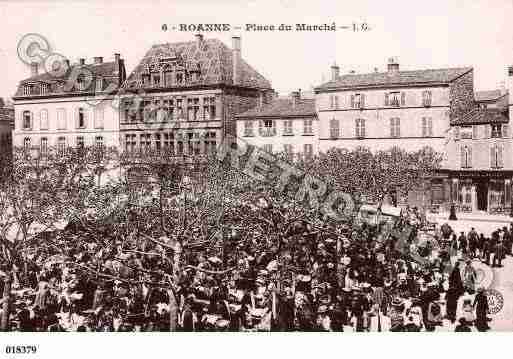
(395, 99)
(99, 85)
(44, 88)
(179, 78)
(156, 80)
(81, 84)
(27, 90)
(145, 79)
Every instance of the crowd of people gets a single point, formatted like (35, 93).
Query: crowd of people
(314, 277)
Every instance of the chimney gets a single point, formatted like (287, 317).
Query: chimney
(352, 72)
(376, 70)
(393, 65)
(335, 72)
(34, 68)
(199, 37)
(66, 63)
(117, 63)
(98, 60)
(236, 59)
(296, 96)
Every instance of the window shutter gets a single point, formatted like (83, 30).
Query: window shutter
(424, 127)
(505, 131)
(475, 133)
(76, 117)
(260, 127)
(492, 156)
(331, 101)
(352, 101)
(462, 156)
(488, 131)
(403, 98)
(98, 117)
(430, 126)
(500, 162)
(362, 100)
(386, 99)
(391, 127)
(469, 156)
(362, 125)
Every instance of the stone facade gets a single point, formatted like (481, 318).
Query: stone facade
(461, 95)
(192, 91)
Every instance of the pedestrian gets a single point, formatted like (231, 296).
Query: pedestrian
(481, 307)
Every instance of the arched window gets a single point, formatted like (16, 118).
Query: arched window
(466, 157)
(27, 120)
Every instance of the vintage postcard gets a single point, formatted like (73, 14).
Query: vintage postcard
(255, 166)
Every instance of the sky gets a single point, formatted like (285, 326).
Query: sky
(421, 34)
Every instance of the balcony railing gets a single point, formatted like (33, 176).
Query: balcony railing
(268, 131)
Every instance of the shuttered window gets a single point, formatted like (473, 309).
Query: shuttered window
(466, 157)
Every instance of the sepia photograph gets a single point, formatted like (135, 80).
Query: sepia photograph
(287, 166)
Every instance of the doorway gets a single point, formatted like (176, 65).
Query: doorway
(482, 195)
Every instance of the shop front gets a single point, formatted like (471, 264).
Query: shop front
(474, 191)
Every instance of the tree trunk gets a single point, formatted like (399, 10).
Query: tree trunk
(173, 312)
(4, 324)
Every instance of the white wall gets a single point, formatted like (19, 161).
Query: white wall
(109, 130)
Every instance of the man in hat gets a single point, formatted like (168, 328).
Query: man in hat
(469, 277)
(481, 307)
(396, 315)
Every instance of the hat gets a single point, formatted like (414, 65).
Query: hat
(214, 260)
(222, 323)
(397, 302)
(322, 309)
(304, 278)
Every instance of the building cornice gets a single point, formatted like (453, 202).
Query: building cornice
(359, 110)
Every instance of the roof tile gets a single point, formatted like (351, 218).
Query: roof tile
(400, 78)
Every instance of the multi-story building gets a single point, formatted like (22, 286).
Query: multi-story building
(480, 163)
(286, 125)
(187, 96)
(67, 111)
(6, 126)
(410, 109)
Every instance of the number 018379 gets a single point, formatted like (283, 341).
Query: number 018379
(20, 349)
